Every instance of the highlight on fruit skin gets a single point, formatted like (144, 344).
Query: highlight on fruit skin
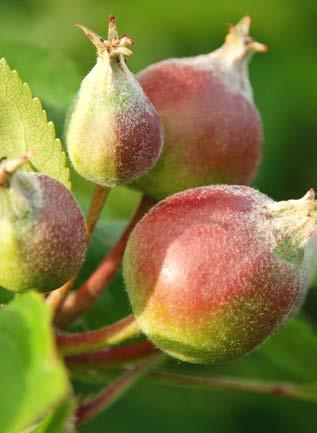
(214, 271)
(43, 239)
(113, 132)
(213, 132)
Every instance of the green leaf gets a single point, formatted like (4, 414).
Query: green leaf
(33, 379)
(58, 421)
(24, 126)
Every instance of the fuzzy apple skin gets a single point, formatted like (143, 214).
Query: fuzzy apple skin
(212, 135)
(213, 132)
(212, 272)
(113, 132)
(42, 234)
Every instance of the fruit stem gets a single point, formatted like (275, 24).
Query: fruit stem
(259, 387)
(110, 335)
(56, 298)
(82, 299)
(97, 203)
(112, 356)
(90, 409)
(301, 392)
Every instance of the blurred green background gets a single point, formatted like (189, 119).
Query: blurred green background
(39, 39)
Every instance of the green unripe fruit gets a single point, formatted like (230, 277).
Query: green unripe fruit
(113, 132)
(43, 238)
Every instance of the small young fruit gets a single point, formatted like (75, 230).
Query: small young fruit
(212, 129)
(43, 237)
(114, 134)
(213, 271)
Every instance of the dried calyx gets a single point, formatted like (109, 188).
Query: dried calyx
(296, 219)
(114, 45)
(9, 167)
(239, 45)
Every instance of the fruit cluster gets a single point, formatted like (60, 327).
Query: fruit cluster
(214, 268)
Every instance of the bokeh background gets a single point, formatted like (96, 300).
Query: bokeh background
(39, 39)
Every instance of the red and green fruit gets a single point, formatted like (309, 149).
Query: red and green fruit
(113, 132)
(213, 271)
(212, 129)
(43, 238)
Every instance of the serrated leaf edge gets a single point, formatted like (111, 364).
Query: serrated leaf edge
(51, 127)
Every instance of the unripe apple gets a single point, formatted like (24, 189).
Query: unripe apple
(43, 238)
(213, 271)
(213, 131)
(113, 132)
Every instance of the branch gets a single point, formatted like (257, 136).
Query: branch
(88, 410)
(301, 392)
(113, 356)
(81, 342)
(97, 203)
(82, 299)
(56, 298)
(102, 363)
